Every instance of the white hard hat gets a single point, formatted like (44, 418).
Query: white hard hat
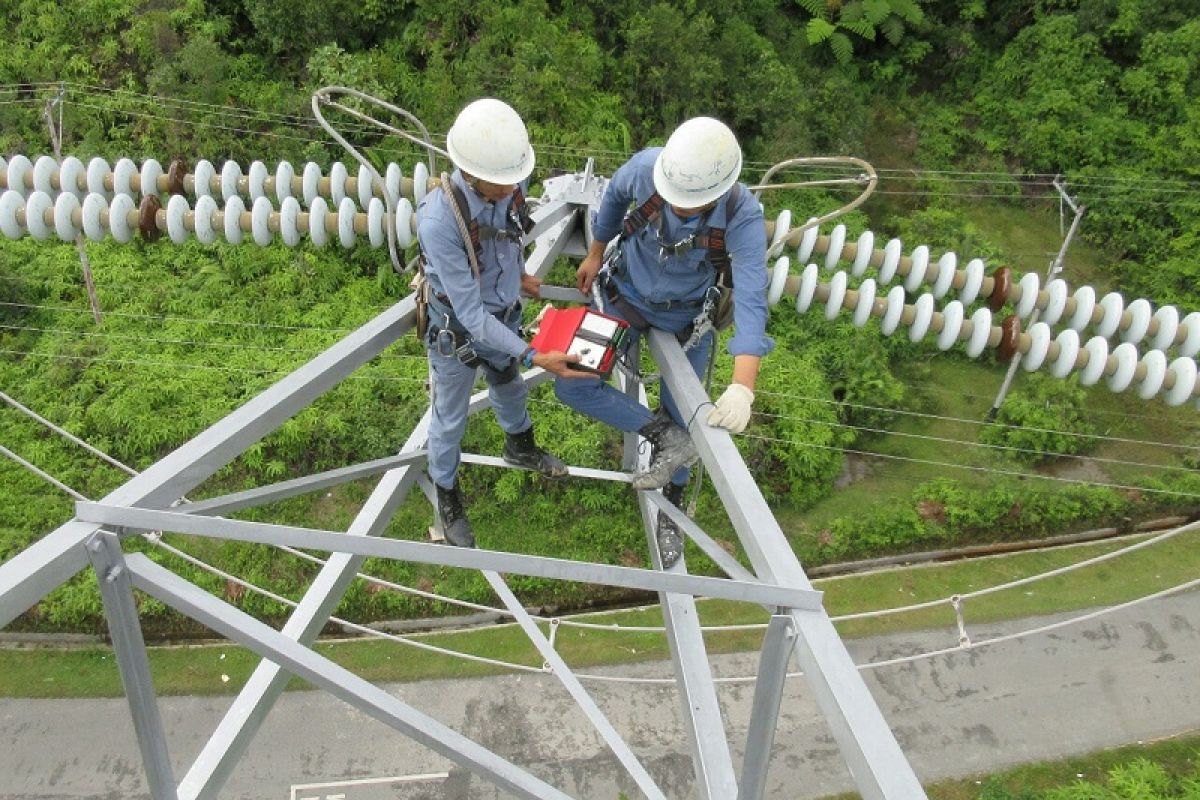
(699, 163)
(489, 141)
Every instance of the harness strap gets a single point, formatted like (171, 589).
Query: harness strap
(712, 240)
(519, 220)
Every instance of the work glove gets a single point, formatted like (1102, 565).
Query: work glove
(732, 410)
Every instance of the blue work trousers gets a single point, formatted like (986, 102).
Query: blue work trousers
(608, 404)
(451, 385)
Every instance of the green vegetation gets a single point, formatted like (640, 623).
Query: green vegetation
(215, 669)
(1168, 769)
(968, 107)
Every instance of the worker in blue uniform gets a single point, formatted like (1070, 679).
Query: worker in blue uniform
(471, 243)
(684, 227)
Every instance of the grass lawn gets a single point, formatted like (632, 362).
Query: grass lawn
(223, 668)
(1179, 756)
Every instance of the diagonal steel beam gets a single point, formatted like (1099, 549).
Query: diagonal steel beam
(30, 575)
(764, 714)
(121, 613)
(592, 711)
(245, 716)
(420, 552)
(879, 768)
(261, 495)
(338, 681)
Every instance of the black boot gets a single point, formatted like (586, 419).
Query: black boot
(673, 448)
(521, 450)
(455, 526)
(670, 538)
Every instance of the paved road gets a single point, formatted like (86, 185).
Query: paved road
(1123, 678)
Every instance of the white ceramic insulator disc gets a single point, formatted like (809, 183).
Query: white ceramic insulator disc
(289, 218)
(72, 177)
(337, 184)
(973, 281)
(10, 203)
(284, 174)
(318, 210)
(94, 206)
(234, 208)
(1030, 283)
(177, 209)
(206, 212)
(375, 230)
(1155, 363)
(392, 181)
(918, 266)
(946, 267)
(866, 302)
(1039, 346)
(921, 320)
(1127, 360)
(891, 260)
(366, 189)
(311, 183)
(862, 258)
(837, 241)
(837, 295)
(231, 173)
(981, 321)
(1191, 342)
(122, 180)
(1068, 351)
(18, 167)
(1097, 350)
(895, 307)
(1112, 304)
(404, 223)
(420, 182)
(783, 224)
(260, 221)
(118, 216)
(952, 320)
(43, 170)
(779, 276)
(1167, 318)
(808, 240)
(257, 181)
(1085, 304)
(202, 179)
(151, 172)
(1184, 369)
(97, 171)
(346, 212)
(808, 288)
(64, 206)
(1056, 301)
(1140, 315)
(35, 214)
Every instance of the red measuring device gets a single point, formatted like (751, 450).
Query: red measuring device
(596, 338)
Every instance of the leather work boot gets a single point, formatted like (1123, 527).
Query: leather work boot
(455, 526)
(521, 450)
(670, 538)
(673, 448)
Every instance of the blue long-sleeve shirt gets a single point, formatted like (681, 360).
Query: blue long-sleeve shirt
(448, 266)
(683, 277)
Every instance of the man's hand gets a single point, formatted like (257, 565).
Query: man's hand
(557, 362)
(732, 410)
(585, 276)
(531, 285)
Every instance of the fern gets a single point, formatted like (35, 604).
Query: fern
(876, 11)
(843, 49)
(818, 8)
(819, 30)
(862, 27)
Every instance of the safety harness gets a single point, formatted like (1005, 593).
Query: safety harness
(715, 309)
(441, 328)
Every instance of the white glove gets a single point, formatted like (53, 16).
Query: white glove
(732, 411)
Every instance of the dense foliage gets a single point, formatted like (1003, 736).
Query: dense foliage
(976, 97)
